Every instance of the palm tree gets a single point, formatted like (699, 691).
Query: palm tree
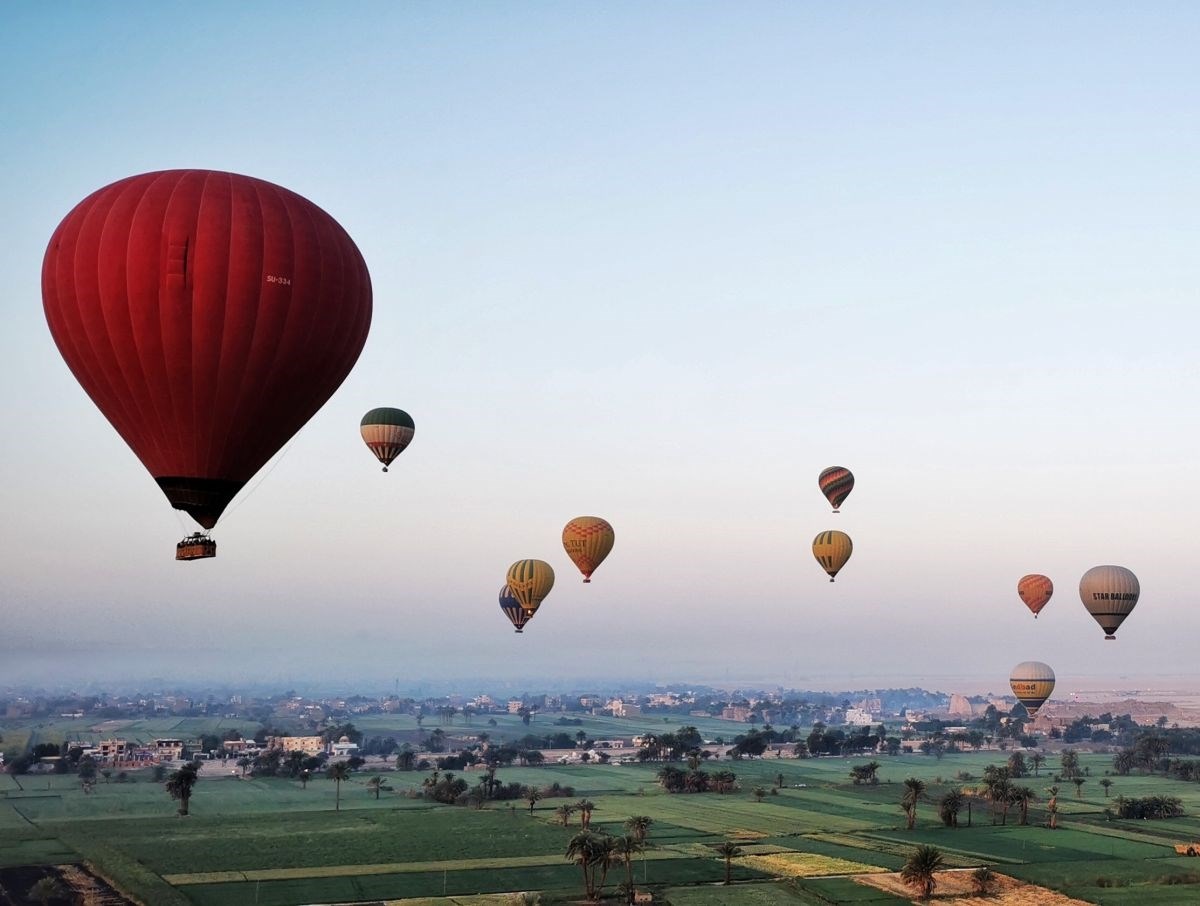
(729, 850)
(1037, 759)
(1107, 784)
(583, 849)
(639, 826)
(1052, 806)
(1079, 782)
(376, 784)
(914, 792)
(983, 879)
(603, 857)
(406, 759)
(563, 813)
(585, 812)
(779, 781)
(244, 763)
(950, 806)
(532, 796)
(759, 793)
(919, 870)
(337, 772)
(626, 848)
(1021, 796)
(180, 784)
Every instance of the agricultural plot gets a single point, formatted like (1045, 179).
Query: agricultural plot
(272, 841)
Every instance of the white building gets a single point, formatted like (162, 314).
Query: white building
(857, 717)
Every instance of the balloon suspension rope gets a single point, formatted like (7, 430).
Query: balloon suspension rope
(258, 484)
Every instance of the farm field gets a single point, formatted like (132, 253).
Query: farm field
(271, 842)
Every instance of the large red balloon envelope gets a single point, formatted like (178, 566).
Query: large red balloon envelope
(208, 316)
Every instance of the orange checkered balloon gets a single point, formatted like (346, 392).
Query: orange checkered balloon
(587, 541)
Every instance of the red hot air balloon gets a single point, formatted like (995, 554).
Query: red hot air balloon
(208, 316)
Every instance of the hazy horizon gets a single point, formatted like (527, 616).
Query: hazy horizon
(661, 264)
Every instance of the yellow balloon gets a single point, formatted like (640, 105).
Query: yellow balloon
(587, 541)
(832, 549)
(1032, 682)
(530, 581)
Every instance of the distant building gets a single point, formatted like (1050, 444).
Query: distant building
(344, 748)
(619, 708)
(168, 749)
(737, 713)
(857, 717)
(960, 706)
(515, 705)
(309, 745)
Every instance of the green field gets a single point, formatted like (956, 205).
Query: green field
(271, 842)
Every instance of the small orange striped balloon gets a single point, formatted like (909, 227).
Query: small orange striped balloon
(1035, 590)
(587, 541)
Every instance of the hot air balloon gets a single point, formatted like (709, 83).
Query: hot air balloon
(387, 432)
(530, 581)
(836, 483)
(1109, 593)
(587, 541)
(832, 549)
(517, 615)
(208, 316)
(1032, 682)
(1035, 590)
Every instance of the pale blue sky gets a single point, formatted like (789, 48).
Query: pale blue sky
(657, 262)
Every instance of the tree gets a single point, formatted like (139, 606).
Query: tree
(1069, 764)
(87, 770)
(180, 785)
(1037, 759)
(1021, 796)
(585, 807)
(585, 849)
(914, 792)
(531, 796)
(918, 871)
(1079, 782)
(563, 813)
(1052, 807)
(1107, 784)
(759, 793)
(865, 773)
(983, 879)
(639, 826)
(729, 850)
(244, 763)
(625, 848)
(377, 784)
(337, 772)
(950, 806)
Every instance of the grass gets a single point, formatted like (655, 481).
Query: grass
(270, 841)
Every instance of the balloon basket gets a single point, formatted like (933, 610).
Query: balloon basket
(587, 581)
(196, 547)
(1110, 638)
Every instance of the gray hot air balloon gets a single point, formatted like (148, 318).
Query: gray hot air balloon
(1109, 593)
